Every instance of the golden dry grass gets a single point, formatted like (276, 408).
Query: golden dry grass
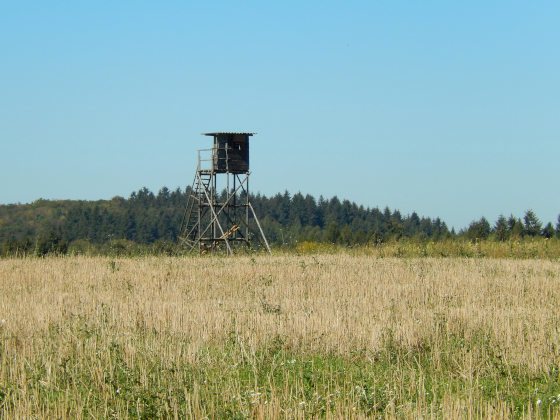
(96, 337)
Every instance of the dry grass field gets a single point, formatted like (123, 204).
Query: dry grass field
(283, 336)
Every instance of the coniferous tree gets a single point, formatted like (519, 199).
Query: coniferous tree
(146, 218)
(163, 195)
(311, 211)
(334, 211)
(320, 212)
(412, 225)
(532, 225)
(501, 231)
(548, 231)
(440, 229)
(515, 227)
(395, 227)
(479, 229)
(426, 227)
(298, 210)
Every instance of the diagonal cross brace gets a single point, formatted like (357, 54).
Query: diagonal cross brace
(231, 195)
(214, 215)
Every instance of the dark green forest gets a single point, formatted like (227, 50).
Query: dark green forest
(53, 227)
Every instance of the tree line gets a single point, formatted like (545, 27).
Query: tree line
(144, 218)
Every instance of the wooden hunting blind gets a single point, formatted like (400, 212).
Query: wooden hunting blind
(218, 212)
(232, 152)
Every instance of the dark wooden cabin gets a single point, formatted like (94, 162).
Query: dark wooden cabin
(231, 152)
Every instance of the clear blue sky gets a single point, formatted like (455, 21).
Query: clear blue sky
(450, 109)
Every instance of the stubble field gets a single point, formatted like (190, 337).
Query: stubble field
(282, 336)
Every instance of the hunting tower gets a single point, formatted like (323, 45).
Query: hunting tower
(219, 213)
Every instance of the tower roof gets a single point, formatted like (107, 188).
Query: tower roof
(227, 133)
